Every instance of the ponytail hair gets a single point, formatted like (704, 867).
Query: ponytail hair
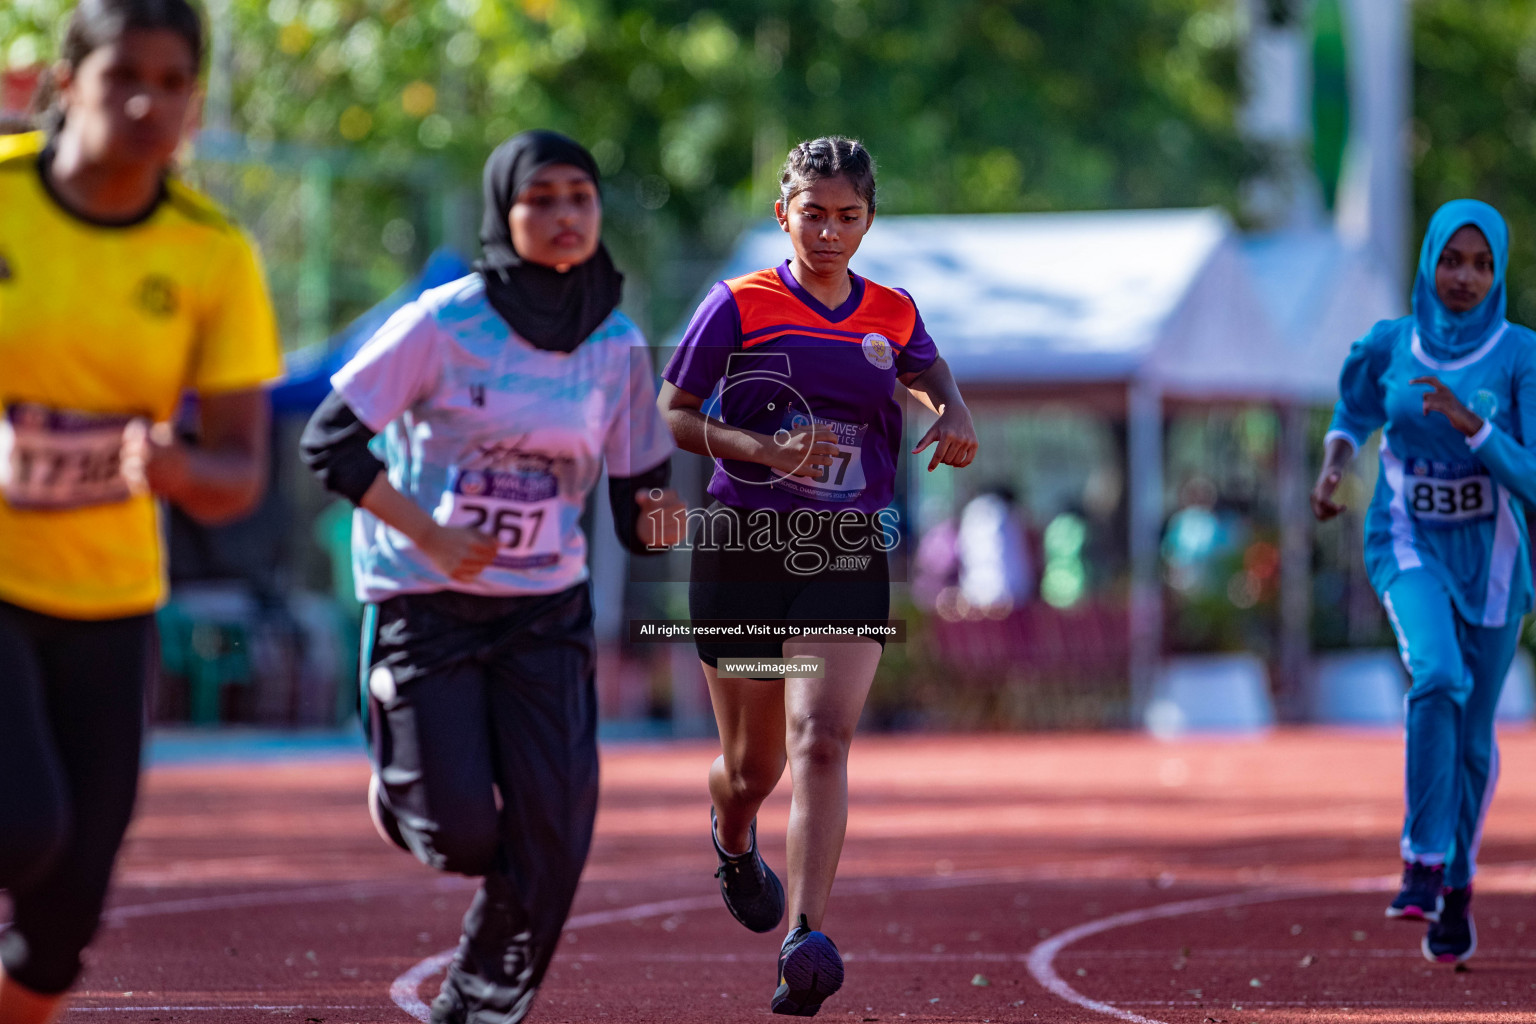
(831, 156)
(97, 23)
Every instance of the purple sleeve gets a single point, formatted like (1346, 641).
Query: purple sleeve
(713, 334)
(919, 352)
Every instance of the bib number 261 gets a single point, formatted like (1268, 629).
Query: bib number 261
(511, 507)
(514, 529)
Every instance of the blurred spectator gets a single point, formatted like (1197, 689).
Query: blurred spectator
(1200, 540)
(997, 573)
(937, 566)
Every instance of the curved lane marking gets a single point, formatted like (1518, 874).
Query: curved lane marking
(1041, 959)
(276, 898)
(405, 990)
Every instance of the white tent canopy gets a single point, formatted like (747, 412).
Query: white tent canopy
(1167, 298)
(1321, 294)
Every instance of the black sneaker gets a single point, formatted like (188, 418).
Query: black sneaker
(1420, 898)
(450, 1006)
(810, 970)
(752, 892)
(1453, 938)
(490, 977)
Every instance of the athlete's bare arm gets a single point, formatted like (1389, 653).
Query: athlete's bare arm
(1336, 459)
(219, 478)
(792, 452)
(954, 433)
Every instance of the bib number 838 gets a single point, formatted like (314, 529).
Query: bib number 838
(1451, 500)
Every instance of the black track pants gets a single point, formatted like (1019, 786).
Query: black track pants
(473, 697)
(71, 725)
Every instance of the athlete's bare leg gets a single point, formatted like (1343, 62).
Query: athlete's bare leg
(750, 716)
(821, 716)
(20, 1005)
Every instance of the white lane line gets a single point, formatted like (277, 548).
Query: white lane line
(405, 990)
(227, 1007)
(1310, 1003)
(1041, 959)
(278, 898)
(1159, 955)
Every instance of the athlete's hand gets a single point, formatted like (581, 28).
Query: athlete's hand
(1337, 454)
(1323, 505)
(461, 552)
(153, 460)
(1444, 401)
(802, 451)
(955, 436)
(662, 520)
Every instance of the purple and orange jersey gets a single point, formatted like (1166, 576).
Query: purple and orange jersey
(782, 359)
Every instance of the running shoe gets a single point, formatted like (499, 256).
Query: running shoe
(752, 892)
(1420, 898)
(468, 997)
(384, 821)
(810, 970)
(450, 1006)
(1453, 938)
(490, 977)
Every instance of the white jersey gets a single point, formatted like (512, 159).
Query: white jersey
(481, 428)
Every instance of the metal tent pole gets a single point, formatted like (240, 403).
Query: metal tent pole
(1144, 457)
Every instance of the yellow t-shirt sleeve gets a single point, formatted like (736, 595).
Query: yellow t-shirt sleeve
(238, 344)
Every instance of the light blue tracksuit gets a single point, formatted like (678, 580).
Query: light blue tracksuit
(1446, 544)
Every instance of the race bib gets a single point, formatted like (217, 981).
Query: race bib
(843, 480)
(58, 459)
(520, 509)
(1441, 494)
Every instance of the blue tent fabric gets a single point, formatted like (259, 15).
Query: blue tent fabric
(308, 370)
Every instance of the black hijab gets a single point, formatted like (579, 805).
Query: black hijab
(547, 308)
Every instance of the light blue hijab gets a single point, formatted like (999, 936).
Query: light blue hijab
(1446, 335)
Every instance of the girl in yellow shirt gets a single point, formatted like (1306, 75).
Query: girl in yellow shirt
(120, 289)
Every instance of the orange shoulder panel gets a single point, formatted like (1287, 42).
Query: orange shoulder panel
(885, 311)
(763, 301)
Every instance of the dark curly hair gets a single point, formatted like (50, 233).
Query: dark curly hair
(831, 156)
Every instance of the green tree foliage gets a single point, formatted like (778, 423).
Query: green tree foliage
(968, 105)
(1474, 129)
(1330, 96)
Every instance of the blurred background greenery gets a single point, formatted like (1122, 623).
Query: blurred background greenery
(689, 108)
(347, 136)
(975, 105)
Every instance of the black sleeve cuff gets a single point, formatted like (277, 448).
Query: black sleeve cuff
(335, 448)
(626, 513)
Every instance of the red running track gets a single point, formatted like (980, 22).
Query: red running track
(987, 878)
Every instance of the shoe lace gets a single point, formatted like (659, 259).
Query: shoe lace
(736, 865)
